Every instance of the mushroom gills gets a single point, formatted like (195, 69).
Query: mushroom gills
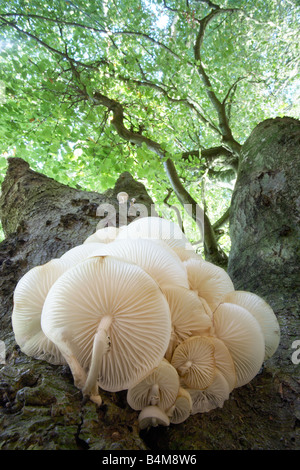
(29, 297)
(160, 387)
(67, 351)
(96, 303)
(182, 407)
(213, 397)
(194, 361)
(264, 315)
(154, 416)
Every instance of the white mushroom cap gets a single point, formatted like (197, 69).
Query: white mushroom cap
(213, 397)
(188, 316)
(263, 314)
(187, 253)
(29, 297)
(103, 235)
(155, 228)
(79, 253)
(224, 362)
(194, 361)
(166, 247)
(160, 388)
(152, 416)
(114, 318)
(210, 281)
(122, 197)
(242, 335)
(159, 263)
(182, 407)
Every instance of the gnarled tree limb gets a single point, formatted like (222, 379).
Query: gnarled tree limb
(227, 136)
(212, 249)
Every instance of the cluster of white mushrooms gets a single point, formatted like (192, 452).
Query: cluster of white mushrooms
(135, 308)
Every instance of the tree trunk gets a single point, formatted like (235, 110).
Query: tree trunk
(40, 406)
(265, 256)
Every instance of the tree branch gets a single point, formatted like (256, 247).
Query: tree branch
(212, 250)
(191, 104)
(184, 197)
(175, 209)
(227, 136)
(137, 138)
(118, 123)
(211, 154)
(91, 28)
(233, 86)
(222, 220)
(209, 3)
(186, 200)
(50, 48)
(208, 154)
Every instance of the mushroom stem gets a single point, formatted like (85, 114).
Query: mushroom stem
(78, 373)
(154, 395)
(100, 346)
(183, 369)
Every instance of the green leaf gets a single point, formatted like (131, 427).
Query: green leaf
(3, 162)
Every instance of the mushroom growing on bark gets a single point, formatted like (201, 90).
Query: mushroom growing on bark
(155, 228)
(157, 262)
(122, 197)
(189, 316)
(194, 361)
(212, 397)
(79, 253)
(136, 309)
(187, 253)
(242, 335)
(103, 235)
(29, 297)
(210, 281)
(224, 362)
(182, 407)
(263, 313)
(160, 387)
(110, 320)
(152, 416)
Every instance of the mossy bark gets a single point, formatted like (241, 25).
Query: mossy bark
(39, 406)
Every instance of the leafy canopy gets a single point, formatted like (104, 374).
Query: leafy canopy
(189, 75)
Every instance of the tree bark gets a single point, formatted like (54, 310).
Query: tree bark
(42, 219)
(40, 408)
(265, 254)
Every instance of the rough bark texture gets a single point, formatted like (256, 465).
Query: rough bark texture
(39, 406)
(265, 254)
(265, 214)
